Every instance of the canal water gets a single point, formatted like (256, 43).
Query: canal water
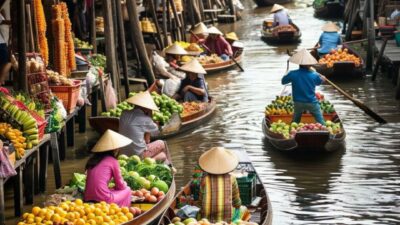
(357, 185)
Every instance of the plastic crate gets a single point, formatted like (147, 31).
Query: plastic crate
(68, 94)
(247, 188)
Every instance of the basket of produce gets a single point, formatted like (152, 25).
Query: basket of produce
(192, 110)
(68, 94)
(82, 46)
(340, 56)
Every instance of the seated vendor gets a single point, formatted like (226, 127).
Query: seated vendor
(102, 167)
(329, 39)
(281, 17)
(232, 38)
(137, 124)
(198, 33)
(218, 187)
(217, 44)
(193, 87)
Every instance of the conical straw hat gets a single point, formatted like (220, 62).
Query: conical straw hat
(176, 49)
(303, 57)
(193, 67)
(276, 7)
(330, 27)
(200, 28)
(214, 30)
(111, 140)
(144, 100)
(218, 160)
(232, 36)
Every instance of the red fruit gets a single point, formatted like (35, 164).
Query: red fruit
(132, 210)
(147, 196)
(152, 199)
(138, 211)
(160, 193)
(154, 191)
(159, 198)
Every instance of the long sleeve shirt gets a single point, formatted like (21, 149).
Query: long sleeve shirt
(329, 41)
(219, 46)
(303, 82)
(281, 18)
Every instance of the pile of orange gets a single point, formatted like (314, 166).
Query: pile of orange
(341, 55)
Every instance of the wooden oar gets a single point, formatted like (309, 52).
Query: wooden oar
(204, 46)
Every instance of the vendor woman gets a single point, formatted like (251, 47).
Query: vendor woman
(102, 167)
(329, 39)
(217, 44)
(199, 33)
(193, 87)
(281, 17)
(304, 80)
(137, 124)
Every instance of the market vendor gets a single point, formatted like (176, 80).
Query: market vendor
(193, 87)
(137, 124)
(199, 33)
(102, 167)
(218, 187)
(217, 44)
(281, 17)
(329, 39)
(304, 80)
(232, 39)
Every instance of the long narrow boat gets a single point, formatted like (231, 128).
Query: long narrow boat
(307, 140)
(263, 3)
(260, 208)
(329, 10)
(216, 67)
(283, 37)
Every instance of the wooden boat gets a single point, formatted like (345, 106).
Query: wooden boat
(216, 67)
(341, 69)
(283, 37)
(329, 10)
(263, 3)
(154, 214)
(261, 213)
(308, 140)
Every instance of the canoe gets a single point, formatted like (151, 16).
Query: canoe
(262, 3)
(261, 212)
(306, 141)
(283, 37)
(329, 10)
(341, 69)
(155, 213)
(216, 67)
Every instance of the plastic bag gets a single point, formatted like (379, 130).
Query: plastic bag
(171, 86)
(111, 97)
(6, 169)
(61, 109)
(188, 211)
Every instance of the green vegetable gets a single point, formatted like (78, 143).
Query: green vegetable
(161, 185)
(78, 180)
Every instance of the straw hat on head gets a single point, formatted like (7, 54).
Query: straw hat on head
(276, 8)
(330, 27)
(193, 67)
(214, 30)
(303, 57)
(111, 140)
(200, 28)
(175, 49)
(218, 160)
(144, 100)
(232, 36)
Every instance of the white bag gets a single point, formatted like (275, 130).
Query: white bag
(110, 96)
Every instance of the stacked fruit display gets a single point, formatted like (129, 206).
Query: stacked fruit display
(100, 24)
(340, 55)
(147, 26)
(78, 213)
(168, 106)
(56, 79)
(190, 108)
(16, 138)
(31, 104)
(152, 196)
(82, 44)
(290, 130)
(118, 110)
(210, 59)
(191, 47)
(204, 221)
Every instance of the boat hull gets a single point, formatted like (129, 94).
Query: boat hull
(263, 3)
(216, 67)
(283, 37)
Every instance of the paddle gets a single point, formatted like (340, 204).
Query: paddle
(204, 46)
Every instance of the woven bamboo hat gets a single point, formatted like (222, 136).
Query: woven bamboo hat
(232, 36)
(200, 28)
(175, 49)
(111, 140)
(330, 27)
(214, 30)
(193, 67)
(303, 57)
(276, 8)
(144, 100)
(218, 160)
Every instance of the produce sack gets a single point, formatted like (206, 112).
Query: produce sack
(6, 169)
(171, 86)
(110, 96)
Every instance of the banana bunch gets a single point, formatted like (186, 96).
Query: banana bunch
(30, 104)
(23, 118)
(277, 110)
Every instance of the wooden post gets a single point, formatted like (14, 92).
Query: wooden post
(169, 23)
(110, 44)
(93, 27)
(232, 8)
(155, 19)
(201, 10)
(190, 12)
(177, 21)
(138, 37)
(122, 46)
(371, 35)
(22, 84)
(379, 59)
(164, 21)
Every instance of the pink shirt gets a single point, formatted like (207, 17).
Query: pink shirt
(97, 184)
(219, 46)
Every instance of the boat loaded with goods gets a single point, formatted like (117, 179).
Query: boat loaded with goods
(280, 34)
(284, 134)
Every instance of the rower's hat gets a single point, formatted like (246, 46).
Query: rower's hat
(175, 49)
(303, 57)
(232, 36)
(193, 67)
(330, 27)
(214, 30)
(276, 8)
(111, 140)
(218, 160)
(200, 28)
(144, 100)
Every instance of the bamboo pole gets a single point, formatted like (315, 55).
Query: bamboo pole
(122, 46)
(93, 27)
(22, 81)
(155, 19)
(177, 21)
(164, 21)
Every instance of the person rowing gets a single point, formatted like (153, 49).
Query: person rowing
(329, 39)
(199, 33)
(217, 44)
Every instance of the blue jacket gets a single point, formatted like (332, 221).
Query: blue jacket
(328, 41)
(303, 82)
